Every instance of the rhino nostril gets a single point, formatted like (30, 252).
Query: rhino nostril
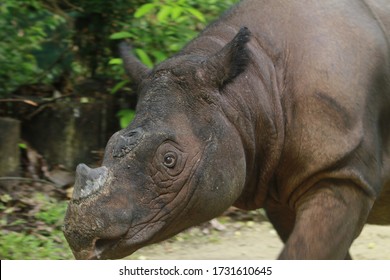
(88, 180)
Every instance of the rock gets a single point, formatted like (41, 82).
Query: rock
(69, 132)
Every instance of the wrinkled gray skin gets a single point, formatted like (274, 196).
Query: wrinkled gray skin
(291, 114)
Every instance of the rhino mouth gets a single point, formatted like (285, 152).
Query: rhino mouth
(106, 246)
(100, 249)
(119, 247)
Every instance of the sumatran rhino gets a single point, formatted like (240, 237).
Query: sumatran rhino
(281, 105)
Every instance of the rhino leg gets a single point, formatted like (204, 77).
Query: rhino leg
(283, 219)
(328, 219)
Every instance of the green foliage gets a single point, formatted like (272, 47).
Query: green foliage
(161, 28)
(125, 116)
(51, 212)
(23, 246)
(24, 26)
(43, 41)
(35, 34)
(40, 236)
(94, 21)
(22, 146)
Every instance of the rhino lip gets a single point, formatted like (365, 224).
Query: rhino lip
(98, 249)
(120, 247)
(104, 245)
(110, 249)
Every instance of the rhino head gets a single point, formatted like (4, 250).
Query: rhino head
(179, 163)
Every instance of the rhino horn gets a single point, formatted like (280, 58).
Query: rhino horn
(88, 181)
(134, 68)
(231, 60)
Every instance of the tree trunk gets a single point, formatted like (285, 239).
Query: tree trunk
(9, 147)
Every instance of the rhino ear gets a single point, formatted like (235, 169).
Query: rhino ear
(134, 68)
(231, 60)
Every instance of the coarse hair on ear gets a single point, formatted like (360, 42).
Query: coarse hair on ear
(134, 68)
(230, 61)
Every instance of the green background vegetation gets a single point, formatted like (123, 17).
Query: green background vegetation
(44, 40)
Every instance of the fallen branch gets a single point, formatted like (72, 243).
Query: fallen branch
(30, 180)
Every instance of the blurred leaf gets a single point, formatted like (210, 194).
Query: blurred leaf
(18, 222)
(118, 86)
(5, 198)
(115, 61)
(175, 47)
(126, 116)
(84, 100)
(121, 35)
(144, 9)
(164, 13)
(10, 210)
(197, 14)
(176, 12)
(144, 57)
(159, 55)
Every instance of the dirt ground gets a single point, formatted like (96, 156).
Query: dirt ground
(252, 240)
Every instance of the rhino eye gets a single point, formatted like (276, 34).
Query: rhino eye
(170, 159)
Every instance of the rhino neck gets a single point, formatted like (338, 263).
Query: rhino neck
(253, 104)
